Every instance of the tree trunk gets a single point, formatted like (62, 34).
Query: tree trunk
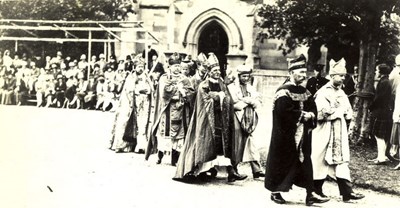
(359, 127)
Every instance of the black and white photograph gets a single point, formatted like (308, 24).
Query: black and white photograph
(199, 103)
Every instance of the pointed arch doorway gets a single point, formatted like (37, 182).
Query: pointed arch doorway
(213, 38)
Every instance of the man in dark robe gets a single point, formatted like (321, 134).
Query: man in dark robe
(209, 141)
(294, 116)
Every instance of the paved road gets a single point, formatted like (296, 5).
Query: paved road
(56, 158)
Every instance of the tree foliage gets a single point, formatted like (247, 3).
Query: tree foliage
(331, 23)
(68, 10)
(65, 9)
(364, 32)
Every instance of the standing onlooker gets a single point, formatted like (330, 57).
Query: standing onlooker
(102, 63)
(394, 76)
(394, 79)
(395, 136)
(316, 82)
(381, 113)
(150, 53)
(246, 100)
(92, 62)
(83, 66)
(113, 64)
(330, 145)
(171, 116)
(294, 116)
(7, 60)
(128, 64)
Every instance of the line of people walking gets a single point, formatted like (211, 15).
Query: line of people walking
(206, 124)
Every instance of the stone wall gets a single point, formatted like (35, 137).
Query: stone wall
(266, 82)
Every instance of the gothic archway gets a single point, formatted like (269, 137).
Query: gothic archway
(211, 17)
(214, 39)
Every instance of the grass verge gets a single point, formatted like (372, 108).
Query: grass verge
(365, 174)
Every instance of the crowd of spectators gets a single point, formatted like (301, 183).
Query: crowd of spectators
(62, 82)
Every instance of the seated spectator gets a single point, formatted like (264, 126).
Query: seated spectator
(21, 90)
(90, 97)
(34, 75)
(70, 92)
(109, 73)
(49, 91)
(97, 71)
(8, 90)
(60, 88)
(81, 91)
(100, 86)
(40, 86)
(2, 82)
(105, 94)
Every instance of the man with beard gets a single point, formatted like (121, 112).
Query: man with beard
(294, 116)
(330, 146)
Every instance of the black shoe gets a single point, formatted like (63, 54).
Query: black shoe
(354, 196)
(236, 177)
(322, 194)
(213, 172)
(277, 198)
(258, 174)
(140, 151)
(158, 161)
(204, 177)
(315, 198)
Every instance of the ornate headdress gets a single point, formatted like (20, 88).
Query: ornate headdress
(337, 67)
(139, 61)
(174, 59)
(212, 61)
(297, 63)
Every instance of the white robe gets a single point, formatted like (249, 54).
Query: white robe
(251, 152)
(331, 103)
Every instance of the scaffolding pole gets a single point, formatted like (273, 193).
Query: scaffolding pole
(89, 52)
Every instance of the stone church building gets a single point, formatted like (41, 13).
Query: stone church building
(225, 27)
